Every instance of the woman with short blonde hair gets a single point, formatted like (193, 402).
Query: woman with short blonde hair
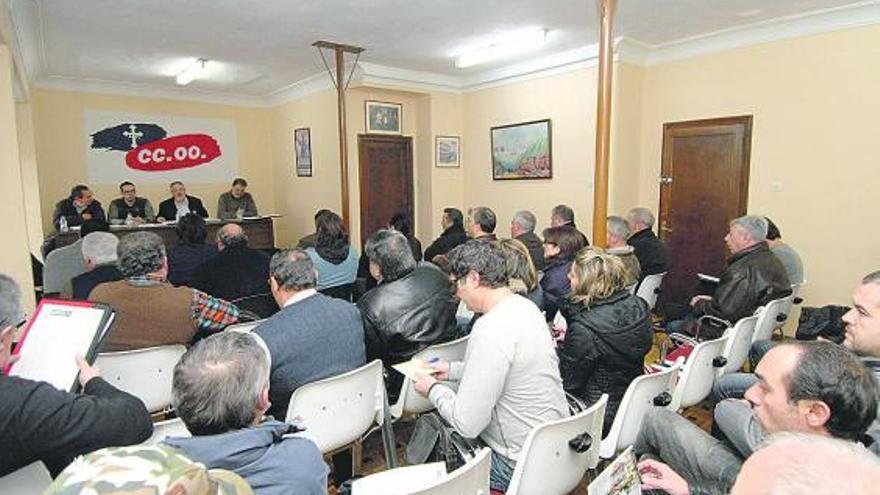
(521, 272)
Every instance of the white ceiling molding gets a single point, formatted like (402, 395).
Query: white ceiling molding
(9, 37)
(300, 89)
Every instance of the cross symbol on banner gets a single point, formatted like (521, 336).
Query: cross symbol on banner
(133, 133)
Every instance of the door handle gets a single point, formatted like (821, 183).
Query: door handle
(665, 228)
(665, 180)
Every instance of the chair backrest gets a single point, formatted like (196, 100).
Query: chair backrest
(547, 464)
(768, 318)
(144, 373)
(470, 479)
(337, 411)
(736, 351)
(698, 374)
(649, 288)
(33, 478)
(636, 402)
(169, 428)
(244, 327)
(409, 401)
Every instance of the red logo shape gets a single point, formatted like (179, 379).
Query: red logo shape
(173, 153)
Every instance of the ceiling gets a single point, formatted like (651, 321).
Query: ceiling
(259, 48)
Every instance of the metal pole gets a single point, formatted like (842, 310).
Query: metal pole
(343, 137)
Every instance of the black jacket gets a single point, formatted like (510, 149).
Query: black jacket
(406, 315)
(168, 211)
(237, 271)
(650, 251)
(604, 348)
(450, 238)
(84, 283)
(536, 248)
(66, 209)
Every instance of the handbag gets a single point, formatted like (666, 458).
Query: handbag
(435, 440)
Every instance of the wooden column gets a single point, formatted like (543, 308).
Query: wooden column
(603, 119)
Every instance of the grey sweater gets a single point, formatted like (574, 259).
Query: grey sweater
(228, 205)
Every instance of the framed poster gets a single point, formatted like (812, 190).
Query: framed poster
(448, 151)
(302, 143)
(522, 151)
(383, 117)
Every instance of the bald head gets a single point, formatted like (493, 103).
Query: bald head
(231, 235)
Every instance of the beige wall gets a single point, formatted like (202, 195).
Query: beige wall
(29, 176)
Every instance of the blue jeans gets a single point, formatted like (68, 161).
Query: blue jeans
(500, 472)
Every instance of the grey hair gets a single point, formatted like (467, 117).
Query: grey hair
(217, 383)
(525, 219)
(486, 259)
(484, 217)
(390, 250)
(642, 216)
(140, 253)
(618, 227)
(754, 225)
(872, 278)
(564, 213)
(10, 301)
(292, 269)
(237, 238)
(100, 247)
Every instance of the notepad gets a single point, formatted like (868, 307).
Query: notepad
(621, 477)
(414, 368)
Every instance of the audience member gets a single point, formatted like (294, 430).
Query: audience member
(179, 204)
(190, 251)
(561, 244)
(237, 271)
(411, 309)
(41, 423)
(312, 337)
(509, 380)
(99, 254)
(789, 258)
(616, 234)
(453, 234)
(334, 257)
(563, 215)
(311, 240)
(399, 222)
(77, 208)
(149, 310)
(650, 250)
(481, 224)
(522, 228)
(221, 390)
(130, 208)
(521, 273)
(236, 203)
(65, 263)
(753, 277)
(608, 332)
(818, 388)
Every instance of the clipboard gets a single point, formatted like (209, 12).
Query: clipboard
(58, 330)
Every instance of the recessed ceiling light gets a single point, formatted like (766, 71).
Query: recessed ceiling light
(514, 44)
(192, 72)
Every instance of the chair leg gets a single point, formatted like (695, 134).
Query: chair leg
(388, 439)
(357, 457)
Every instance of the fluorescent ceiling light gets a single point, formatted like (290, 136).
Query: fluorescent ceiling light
(515, 44)
(194, 71)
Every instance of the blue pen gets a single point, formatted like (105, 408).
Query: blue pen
(433, 360)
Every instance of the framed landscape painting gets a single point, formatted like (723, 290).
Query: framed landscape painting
(383, 118)
(448, 151)
(302, 143)
(522, 151)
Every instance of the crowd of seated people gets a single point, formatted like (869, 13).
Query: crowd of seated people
(232, 389)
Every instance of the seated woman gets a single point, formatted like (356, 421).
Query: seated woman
(560, 246)
(334, 258)
(190, 251)
(521, 272)
(608, 335)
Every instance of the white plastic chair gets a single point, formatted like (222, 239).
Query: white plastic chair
(470, 479)
(244, 327)
(770, 317)
(736, 351)
(643, 394)
(547, 464)
(410, 402)
(430, 479)
(144, 373)
(31, 479)
(170, 428)
(698, 374)
(649, 288)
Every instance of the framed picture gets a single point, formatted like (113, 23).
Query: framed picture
(384, 118)
(522, 151)
(302, 144)
(448, 151)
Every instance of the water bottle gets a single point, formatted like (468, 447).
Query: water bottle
(129, 220)
(239, 214)
(62, 224)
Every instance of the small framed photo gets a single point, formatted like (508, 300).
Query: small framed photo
(383, 117)
(448, 151)
(302, 144)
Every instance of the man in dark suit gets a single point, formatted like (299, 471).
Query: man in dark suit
(453, 234)
(99, 255)
(650, 250)
(237, 271)
(179, 204)
(80, 206)
(522, 228)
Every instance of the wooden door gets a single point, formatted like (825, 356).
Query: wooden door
(704, 185)
(386, 181)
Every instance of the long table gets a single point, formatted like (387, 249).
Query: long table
(260, 232)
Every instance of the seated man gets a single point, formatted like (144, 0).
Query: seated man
(789, 258)
(311, 240)
(221, 390)
(313, 336)
(237, 270)
(179, 204)
(130, 208)
(810, 387)
(99, 254)
(75, 209)
(411, 309)
(481, 223)
(522, 228)
(753, 277)
(41, 423)
(509, 382)
(65, 263)
(616, 233)
(649, 249)
(453, 234)
(237, 202)
(149, 310)
(564, 215)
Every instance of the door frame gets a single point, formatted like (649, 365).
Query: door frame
(408, 208)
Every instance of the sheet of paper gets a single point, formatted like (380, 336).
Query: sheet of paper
(621, 477)
(400, 481)
(413, 368)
